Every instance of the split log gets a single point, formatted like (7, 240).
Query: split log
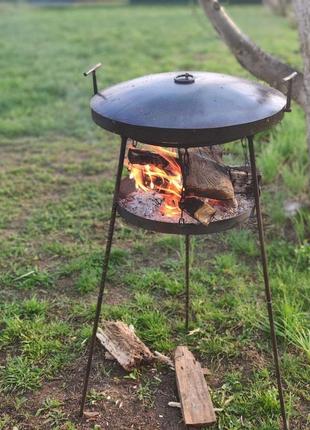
(199, 210)
(242, 179)
(122, 343)
(208, 178)
(197, 407)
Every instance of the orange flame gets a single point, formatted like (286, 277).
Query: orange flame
(166, 181)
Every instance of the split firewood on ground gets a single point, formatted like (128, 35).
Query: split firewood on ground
(122, 344)
(196, 403)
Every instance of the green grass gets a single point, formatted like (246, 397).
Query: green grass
(56, 173)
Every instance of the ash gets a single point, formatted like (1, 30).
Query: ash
(147, 205)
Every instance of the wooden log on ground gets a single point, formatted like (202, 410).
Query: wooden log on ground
(123, 344)
(196, 403)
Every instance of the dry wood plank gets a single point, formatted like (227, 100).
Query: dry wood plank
(197, 407)
(123, 344)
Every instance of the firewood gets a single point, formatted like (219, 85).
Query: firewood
(108, 356)
(242, 179)
(208, 178)
(199, 210)
(205, 214)
(123, 344)
(143, 157)
(196, 404)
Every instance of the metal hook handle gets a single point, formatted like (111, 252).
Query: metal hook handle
(93, 72)
(289, 80)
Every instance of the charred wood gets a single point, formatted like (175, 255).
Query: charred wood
(143, 157)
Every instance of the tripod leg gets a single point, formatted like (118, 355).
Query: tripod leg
(266, 281)
(104, 271)
(187, 237)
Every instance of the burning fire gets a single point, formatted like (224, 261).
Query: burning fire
(166, 181)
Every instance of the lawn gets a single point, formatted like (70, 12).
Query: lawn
(56, 175)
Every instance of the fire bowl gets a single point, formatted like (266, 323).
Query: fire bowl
(142, 209)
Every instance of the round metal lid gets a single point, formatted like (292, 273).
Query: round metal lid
(187, 108)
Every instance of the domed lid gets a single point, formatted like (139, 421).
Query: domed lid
(188, 109)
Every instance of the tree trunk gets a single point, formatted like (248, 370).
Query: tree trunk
(261, 64)
(302, 11)
(280, 7)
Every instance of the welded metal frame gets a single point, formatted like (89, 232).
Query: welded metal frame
(268, 296)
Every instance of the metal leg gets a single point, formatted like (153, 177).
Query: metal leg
(186, 281)
(104, 271)
(266, 280)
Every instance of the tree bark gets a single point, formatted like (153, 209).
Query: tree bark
(261, 64)
(302, 11)
(280, 7)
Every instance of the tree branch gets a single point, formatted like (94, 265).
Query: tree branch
(259, 63)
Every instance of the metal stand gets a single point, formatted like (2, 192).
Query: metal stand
(186, 281)
(266, 280)
(187, 305)
(104, 270)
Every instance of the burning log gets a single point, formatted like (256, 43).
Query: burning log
(207, 177)
(143, 157)
(199, 210)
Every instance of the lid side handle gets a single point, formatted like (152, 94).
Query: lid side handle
(289, 80)
(92, 71)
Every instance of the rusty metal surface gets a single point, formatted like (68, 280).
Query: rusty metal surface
(211, 109)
